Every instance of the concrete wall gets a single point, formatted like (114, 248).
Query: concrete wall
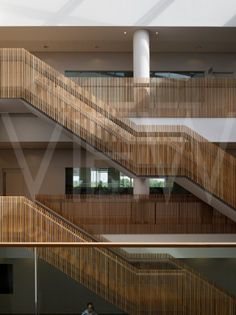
(52, 286)
(221, 271)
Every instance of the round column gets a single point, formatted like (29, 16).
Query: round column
(141, 69)
(141, 54)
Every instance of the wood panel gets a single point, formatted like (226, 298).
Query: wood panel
(142, 214)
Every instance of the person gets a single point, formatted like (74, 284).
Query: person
(89, 309)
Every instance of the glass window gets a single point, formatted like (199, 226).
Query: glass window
(99, 177)
(76, 177)
(125, 181)
(128, 74)
(115, 74)
(87, 180)
(177, 74)
(157, 182)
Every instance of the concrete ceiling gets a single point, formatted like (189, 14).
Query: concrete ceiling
(113, 39)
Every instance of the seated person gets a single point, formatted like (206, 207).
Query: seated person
(89, 309)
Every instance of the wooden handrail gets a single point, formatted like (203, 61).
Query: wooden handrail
(143, 150)
(132, 289)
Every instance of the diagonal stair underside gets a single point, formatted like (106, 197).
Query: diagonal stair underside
(143, 150)
(136, 290)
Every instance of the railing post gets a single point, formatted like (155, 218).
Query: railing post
(35, 281)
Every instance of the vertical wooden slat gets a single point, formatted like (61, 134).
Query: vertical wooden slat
(143, 289)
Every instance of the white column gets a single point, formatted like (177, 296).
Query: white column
(141, 54)
(141, 186)
(141, 69)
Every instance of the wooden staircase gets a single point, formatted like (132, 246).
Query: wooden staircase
(143, 150)
(113, 276)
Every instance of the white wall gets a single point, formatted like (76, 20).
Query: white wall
(29, 128)
(213, 129)
(118, 13)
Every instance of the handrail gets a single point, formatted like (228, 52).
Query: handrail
(144, 151)
(133, 290)
(69, 223)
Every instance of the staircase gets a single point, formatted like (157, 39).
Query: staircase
(135, 289)
(143, 150)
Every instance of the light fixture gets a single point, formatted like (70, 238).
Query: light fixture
(125, 33)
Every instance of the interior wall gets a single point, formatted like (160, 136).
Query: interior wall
(30, 128)
(44, 170)
(90, 61)
(221, 271)
(52, 285)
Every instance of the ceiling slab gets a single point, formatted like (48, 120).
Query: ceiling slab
(118, 39)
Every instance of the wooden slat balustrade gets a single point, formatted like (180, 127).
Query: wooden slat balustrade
(127, 214)
(143, 150)
(165, 97)
(134, 290)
